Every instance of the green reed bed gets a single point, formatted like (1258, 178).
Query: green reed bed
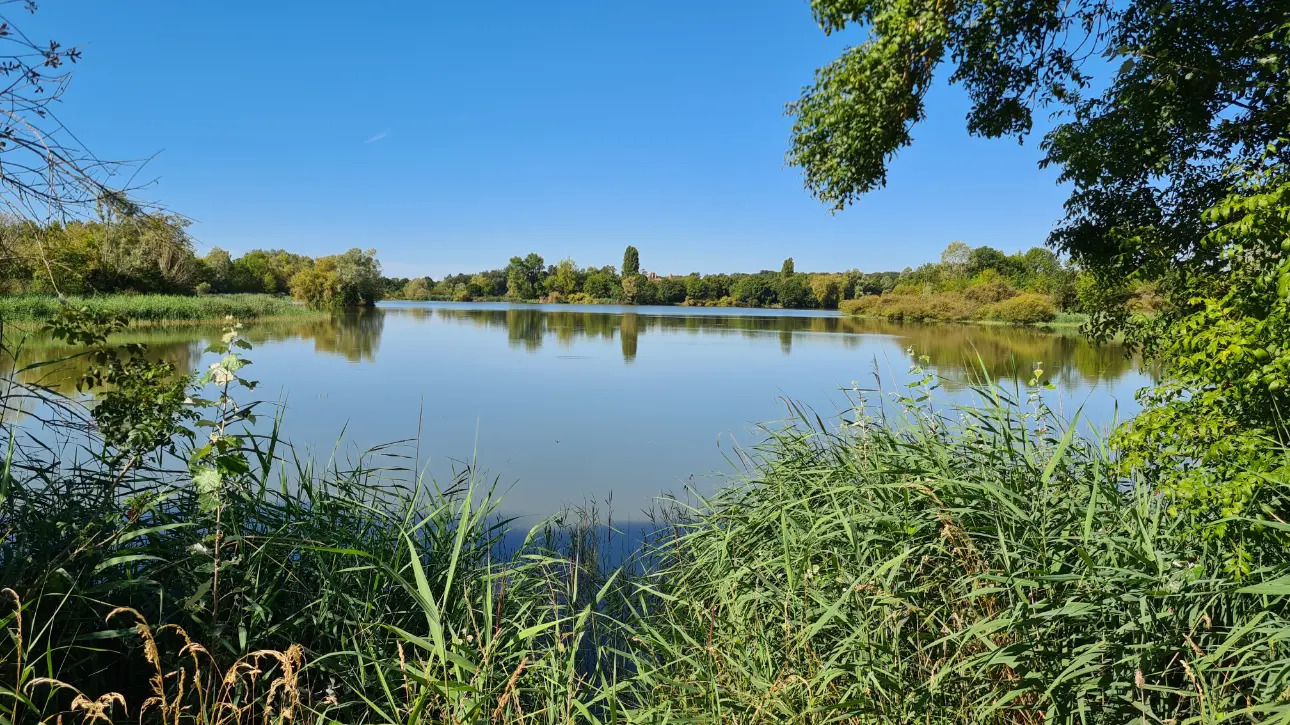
(155, 308)
(942, 565)
(976, 564)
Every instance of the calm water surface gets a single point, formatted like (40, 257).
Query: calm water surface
(570, 404)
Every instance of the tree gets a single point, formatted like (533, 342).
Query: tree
(670, 291)
(786, 270)
(1198, 86)
(983, 258)
(1178, 174)
(827, 289)
(601, 285)
(523, 275)
(418, 289)
(565, 280)
(753, 291)
(479, 286)
(955, 258)
(794, 291)
(342, 281)
(46, 173)
(219, 268)
(631, 262)
(637, 289)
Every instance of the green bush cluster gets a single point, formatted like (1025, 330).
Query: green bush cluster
(1023, 308)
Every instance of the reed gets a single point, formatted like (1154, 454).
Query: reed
(154, 308)
(912, 563)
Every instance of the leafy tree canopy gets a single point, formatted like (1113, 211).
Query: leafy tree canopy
(1196, 85)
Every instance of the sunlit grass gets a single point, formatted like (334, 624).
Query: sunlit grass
(156, 308)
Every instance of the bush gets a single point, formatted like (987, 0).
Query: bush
(202, 288)
(989, 292)
(860, 305)
(1024, 309)
(341, 281)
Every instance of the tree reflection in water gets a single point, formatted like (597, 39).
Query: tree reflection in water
(957, 352)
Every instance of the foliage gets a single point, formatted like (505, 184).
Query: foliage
(631, 262)
(342, 281)
(566, 279)
(860, 305)
(524, 277)
(417, 289)
(259, 270)
(794, 291)
(1176, 215)
(1213, 432)
(602, 286)
(150, 253)
(828, 289)
(638, 290)
(153, 254)
(528, 278)
(753, 290)
(1024, 309)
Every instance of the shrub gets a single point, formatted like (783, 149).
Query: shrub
(860, 305)
(1028, 308)
(202, 288)
(341, 281)
(985, 293)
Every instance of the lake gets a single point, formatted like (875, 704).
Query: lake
(567, 405)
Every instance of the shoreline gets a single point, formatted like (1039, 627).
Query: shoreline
(142, 310)
(1054, 325)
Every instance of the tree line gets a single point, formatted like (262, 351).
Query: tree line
(154, 254)
(983, 272)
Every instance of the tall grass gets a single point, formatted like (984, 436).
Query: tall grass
(943, 565)
(155, 308)
(971, 565)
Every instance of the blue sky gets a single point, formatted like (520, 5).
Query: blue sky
(451, 136)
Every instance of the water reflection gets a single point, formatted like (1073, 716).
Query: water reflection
(577, 402)
(354, 336)
(958, 352)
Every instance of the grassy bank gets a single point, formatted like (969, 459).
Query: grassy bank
(996, 304)
(156, 308)
(943, 566)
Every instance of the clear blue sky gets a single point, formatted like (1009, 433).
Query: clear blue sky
(450, 136)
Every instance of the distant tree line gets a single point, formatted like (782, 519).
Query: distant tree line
(981, 272)
(154, 254)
